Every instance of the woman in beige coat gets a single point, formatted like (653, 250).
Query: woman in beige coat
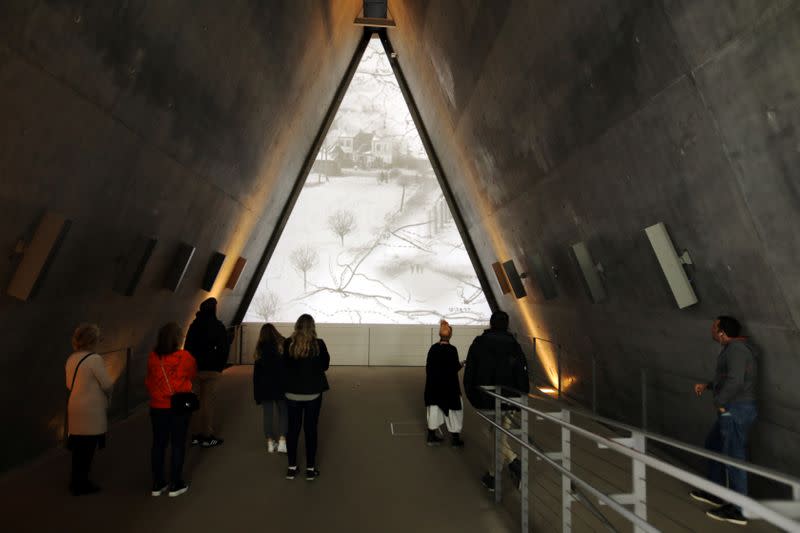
(90, 388)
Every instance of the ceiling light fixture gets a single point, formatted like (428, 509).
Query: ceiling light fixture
(375, 13)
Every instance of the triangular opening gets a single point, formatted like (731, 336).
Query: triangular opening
(370, 239)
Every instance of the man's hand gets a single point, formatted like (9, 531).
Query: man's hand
(700, 388)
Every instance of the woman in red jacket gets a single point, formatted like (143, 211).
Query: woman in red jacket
(169, 370)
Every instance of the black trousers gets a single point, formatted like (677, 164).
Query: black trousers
(82, 447)
(305, 415)
(168, 428)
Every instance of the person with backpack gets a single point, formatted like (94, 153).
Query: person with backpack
(496, 358)
(207, 341)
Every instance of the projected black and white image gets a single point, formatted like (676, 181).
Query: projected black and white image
(371, 239)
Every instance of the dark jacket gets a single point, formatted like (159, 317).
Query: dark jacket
(207, 341)
(441, 378)
(736, 374)
(268, 374)
(494, 358)
(305, 375)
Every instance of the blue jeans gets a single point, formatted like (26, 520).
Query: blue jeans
(728, 436)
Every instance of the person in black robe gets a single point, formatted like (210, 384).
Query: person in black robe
(442, 391)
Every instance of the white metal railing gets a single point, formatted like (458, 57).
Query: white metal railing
(631, 506)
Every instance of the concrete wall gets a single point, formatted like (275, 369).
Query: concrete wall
(184, 120)
(585, 120)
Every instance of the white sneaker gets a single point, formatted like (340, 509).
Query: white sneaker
(282, 446)
(271, 446)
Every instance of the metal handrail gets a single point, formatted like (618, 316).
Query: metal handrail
(607, 500)
(738, 463)
(746, 503)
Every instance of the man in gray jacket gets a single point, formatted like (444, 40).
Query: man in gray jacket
(734, 391)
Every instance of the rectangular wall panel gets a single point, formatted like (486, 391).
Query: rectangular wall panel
(38, 256)
(238, 268)
(212, 270)
(179, 266)
(134, 263)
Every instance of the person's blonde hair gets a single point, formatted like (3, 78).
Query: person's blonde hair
(445, 331)
(304, 338)
(269, 334)
(85, 337)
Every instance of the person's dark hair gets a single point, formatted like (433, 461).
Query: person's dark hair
(269, 335)
(209, 305)
(729, 325)
(499, 321)
(169, 339)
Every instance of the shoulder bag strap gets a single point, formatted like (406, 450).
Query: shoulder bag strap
(75, 375)
(160, 360)
(69, 393)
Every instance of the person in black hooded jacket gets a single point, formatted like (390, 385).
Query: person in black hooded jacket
(268, 387)
(207, 341)
(496, 358)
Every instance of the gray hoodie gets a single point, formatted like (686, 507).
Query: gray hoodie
(735, 378)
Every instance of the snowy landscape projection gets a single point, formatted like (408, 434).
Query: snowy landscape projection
(371, 239)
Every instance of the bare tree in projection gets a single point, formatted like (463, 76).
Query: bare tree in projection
(265, 304)
(341, 223)
(304, 259)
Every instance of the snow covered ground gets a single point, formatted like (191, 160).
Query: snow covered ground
(396, 266)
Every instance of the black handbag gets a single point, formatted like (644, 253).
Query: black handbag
(181, 403)
(184, 402)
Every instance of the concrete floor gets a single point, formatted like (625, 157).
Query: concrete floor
(371, 481)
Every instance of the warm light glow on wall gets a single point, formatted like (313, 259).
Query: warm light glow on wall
(550, 391)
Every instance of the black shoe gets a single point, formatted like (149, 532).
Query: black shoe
(159, 489)
(197, 439)
(433, 439)
(211, 441)
(728, 513)
(291, 473)
(705, 497)
(457, 442)
(177, 488)
(311, 474)
(488, 481)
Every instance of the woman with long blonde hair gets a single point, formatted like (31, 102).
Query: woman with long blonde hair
(305, 362)
(268, 387)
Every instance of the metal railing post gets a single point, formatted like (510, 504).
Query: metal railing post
(127, 381)
(644, 398)
(566, 484)
(558, 363)
(498, 456)
(594, 383)
(639, 479)
(523, 456)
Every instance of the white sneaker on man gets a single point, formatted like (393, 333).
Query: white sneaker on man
(271, 446)
(282, 446)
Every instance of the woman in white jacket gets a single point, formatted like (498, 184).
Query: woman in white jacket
(90, 388)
